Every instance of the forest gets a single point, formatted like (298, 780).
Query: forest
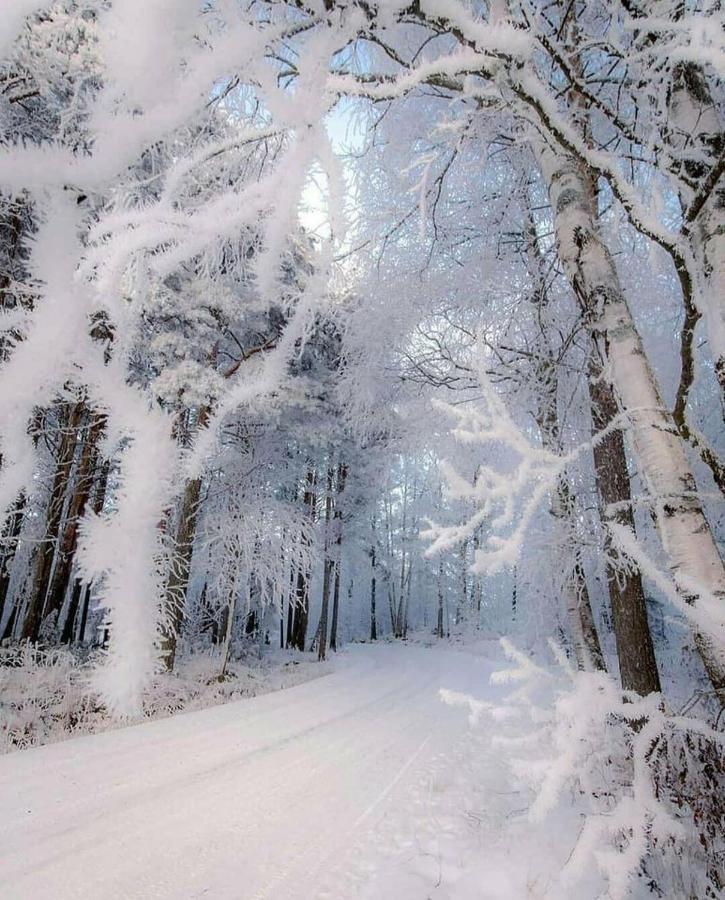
(362, 449)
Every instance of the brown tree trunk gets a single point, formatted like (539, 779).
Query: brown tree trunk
(228, 629)
(69, 538)
(406, 602)
(341, 480)
(635, 650)
(99, 500)
(327, 576)
(290, 613)
(335, 607)
(302, 600)
(373, 589)
(178, 580)
(514, 593)
(301, 611)
(70, 418)
(477, 586)
(462, 602)
(439, 627)
(183, 545)
(66, 636)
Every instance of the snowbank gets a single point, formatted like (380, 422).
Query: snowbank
(47, 696)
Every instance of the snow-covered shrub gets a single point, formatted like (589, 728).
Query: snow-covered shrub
(47, 695)
(688, 770)
(649, 783)
(44, 695)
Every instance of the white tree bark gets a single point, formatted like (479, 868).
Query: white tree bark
(694, 131)
(693, 557)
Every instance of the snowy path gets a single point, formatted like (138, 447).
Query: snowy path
(281, 796)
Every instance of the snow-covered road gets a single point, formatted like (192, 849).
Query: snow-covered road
(281, 796)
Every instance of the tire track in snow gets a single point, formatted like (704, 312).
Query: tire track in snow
(214, 803)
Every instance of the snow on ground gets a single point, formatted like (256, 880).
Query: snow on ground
(361, 784)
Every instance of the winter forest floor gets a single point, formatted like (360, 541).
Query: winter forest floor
(362, 783)
(46, 695)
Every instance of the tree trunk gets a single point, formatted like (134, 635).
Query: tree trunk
(178, 580)
(301, 612)
(228, 628)
(584, 636)
(337, 521)
(69, 538)
(696, 133)
(406, 602)
(66, 635)
(323, 626)
(638, 668)
(585, 639)
(11, 534)
(477, 585)
(462, 603)
(439, 628)
(302, 600)
(99, 499)
(514, 593)
(635, 650)
(335, 607)
(70, 419)
(329, 564)
(692, 554)
(373, 588)
(290, 613)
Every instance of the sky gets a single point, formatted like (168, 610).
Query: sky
(347, 135)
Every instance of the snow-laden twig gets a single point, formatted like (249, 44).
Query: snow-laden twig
(505, 498)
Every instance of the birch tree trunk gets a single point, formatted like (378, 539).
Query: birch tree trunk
(585, 640)
(695, 119)
(692, 554)
(695, 134)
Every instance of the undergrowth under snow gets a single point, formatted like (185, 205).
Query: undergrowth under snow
(47, 695)
(637, 791)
